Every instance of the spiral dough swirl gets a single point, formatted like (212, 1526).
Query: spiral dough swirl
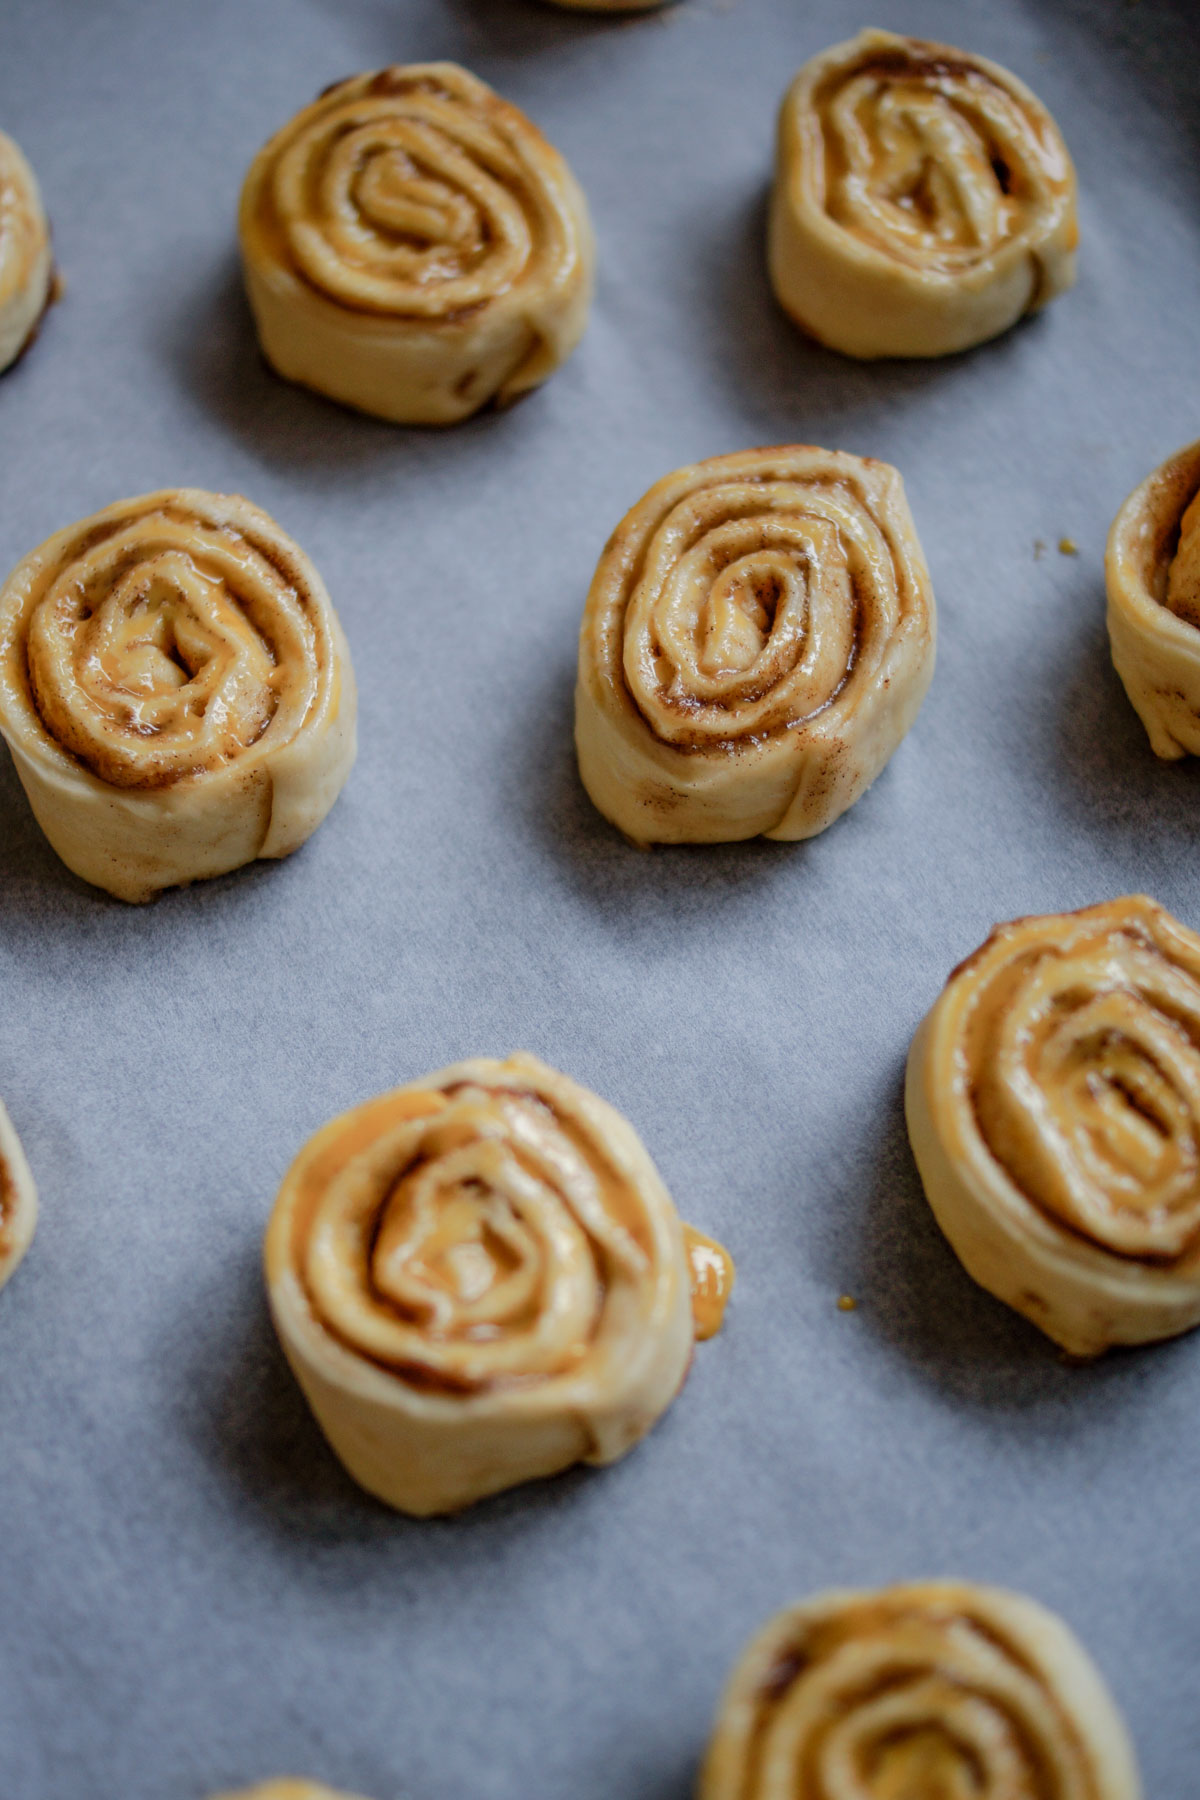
(18, 1200)
(27, 283)
(924, 199)
(758, 638)
(479, 1278)
(940, 1690)
(1054, 1106)
(1153, 580)
(414, 247)
(176, 690)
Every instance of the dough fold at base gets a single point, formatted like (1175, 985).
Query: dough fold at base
(935, 1689)
(18, 1200)
(175, 689)
(758, 637)
(1053, 1103)
(1153, 579)
(923, 201)
(479, 1279)
(26, 260)
(414, 247)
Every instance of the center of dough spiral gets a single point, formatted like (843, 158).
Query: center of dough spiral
(406, 201)
(471, 1247)
(164, 646)
(913, 1708)
(1087, 1088)
(932, 162)
(754, 602)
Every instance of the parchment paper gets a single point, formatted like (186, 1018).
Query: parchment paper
(192, 1595)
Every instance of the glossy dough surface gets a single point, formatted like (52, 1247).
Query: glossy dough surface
(1053, 1103)
(18, 1200)
(414, 247)
(758, 638)
(478, 1279)
(924, 199)
(26, 262)
(1153, 580)
(175, 689)
(936, 1690)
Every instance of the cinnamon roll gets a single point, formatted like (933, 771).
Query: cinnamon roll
(26, 262)
(924, 199)
(758, 638)
(1053, 1103)
(286, 1787)
(175, 689)
(18, 1199)
(414, 247)
(1153, 579)
(478, 1279)
(933, 1690)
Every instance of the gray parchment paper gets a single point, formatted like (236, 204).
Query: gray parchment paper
(192, 1595)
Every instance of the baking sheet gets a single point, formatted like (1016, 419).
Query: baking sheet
(192, 1595)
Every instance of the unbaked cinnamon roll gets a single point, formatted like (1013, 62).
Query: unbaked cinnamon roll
(286, 1788)
(175, 689)
(18, 1199)
(26, 261)
(414, 247)
(758, 638)
(480, 1278)
(1053, 1103)
(924, 199)
(1153, 579)
(936, 1690)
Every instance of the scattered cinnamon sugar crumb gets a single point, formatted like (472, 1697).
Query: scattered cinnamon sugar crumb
(846, 1303)
(1068, 547)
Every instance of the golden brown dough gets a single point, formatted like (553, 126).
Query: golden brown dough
(924, 199)
(286, 1787)
(1153, 578)
(26, 262)
(414, 247)
(175, 689)
(758, 638)
(937, 1690)
(18, 1200)
(479, 1278)
(1053, 1103)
